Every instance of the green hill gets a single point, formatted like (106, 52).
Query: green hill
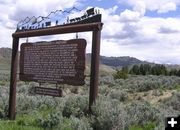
(118, 61)
(5, 63)
(5, 60)
(106, 63)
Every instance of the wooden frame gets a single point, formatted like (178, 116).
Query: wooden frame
(96, 30)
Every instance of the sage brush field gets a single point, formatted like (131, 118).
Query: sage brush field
(135, 103)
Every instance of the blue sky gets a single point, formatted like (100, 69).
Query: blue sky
(146, 29)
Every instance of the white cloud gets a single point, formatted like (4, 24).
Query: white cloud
(167, 7)
(161, 6)
(140, 7)
(6, 38)
(126, 33)
(146, 38)
(12, 11)
(23, 8)
(130, 16)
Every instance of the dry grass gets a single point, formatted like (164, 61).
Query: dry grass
(151, 97)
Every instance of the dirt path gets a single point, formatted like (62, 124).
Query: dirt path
(152, 96)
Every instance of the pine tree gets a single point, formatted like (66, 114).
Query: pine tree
(122, 74)
(135, 70)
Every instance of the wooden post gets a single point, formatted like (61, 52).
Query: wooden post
(12, 96)
(94, 66)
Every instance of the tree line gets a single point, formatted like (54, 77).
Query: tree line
(146, 69)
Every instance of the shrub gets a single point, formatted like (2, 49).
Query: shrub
(108, 114)
(74, 123)
(157, 92)
(121, 75)
(4, 76)
(120, 95)
(104, 90)
(4, 98)
(135, 127)
(51, 121)
(25, 119)
(2, 82)
(149, 126)
(29, 104)
(66, 125)
(9, 125)
(2, 114)
(23, 89)
(173, 102)
(146, 83)
(142, 112)
(75, 106)
(107, 80)
(80, 124)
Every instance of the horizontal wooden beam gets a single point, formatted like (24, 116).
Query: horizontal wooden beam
(61, 29)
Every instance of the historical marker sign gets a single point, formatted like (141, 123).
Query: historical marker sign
(53, 62)
(48, 91)
(57, 61)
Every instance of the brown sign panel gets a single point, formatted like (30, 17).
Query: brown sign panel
(48, 91)
(53, 62)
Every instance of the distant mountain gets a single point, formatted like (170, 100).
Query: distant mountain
(118, 61)
(106, 63)
(5, 63)
(5, 58)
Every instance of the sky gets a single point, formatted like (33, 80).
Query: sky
(146, 29)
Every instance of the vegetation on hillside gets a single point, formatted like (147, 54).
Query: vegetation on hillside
(122, 104)
(146, 69)
(157, 69)
(137, 98)
(122, 74)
